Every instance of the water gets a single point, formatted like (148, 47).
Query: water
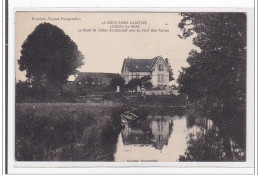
(168, 138)
(158, 135)
(159, 138)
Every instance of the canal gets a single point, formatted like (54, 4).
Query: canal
(173, 136)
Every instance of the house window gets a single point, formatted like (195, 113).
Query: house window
(160, 78)
(160, 67)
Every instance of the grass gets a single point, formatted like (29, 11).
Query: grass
(66, 131)
(77, 131)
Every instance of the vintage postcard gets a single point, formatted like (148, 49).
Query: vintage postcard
(130, 86)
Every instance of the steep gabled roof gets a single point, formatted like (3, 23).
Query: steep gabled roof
(139, 65)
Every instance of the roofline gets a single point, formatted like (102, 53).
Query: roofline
(160, 57)
(97, 73)
(123, 66)
(140, 71)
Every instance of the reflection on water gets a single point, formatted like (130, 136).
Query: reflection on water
(155, 132)
(175, 138)
(158, 138)
(157, 135)
(206, 142)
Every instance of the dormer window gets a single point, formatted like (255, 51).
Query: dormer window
(160, 67)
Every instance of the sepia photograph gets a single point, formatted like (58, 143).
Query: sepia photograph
(130, 86)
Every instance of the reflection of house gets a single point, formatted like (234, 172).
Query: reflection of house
(137, 134)
(156, 68)
(154, 132)
(161, 130)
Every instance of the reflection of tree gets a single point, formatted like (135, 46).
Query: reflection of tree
(212, 146)
(190, 121)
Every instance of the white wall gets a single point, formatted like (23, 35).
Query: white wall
(129, 75)
(156, 72)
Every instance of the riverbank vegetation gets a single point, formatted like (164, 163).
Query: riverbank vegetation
(215, 81)
(63, 131)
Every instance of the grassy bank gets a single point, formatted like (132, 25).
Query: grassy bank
(123, 98)
(60, 131)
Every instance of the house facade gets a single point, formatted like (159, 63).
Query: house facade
(156, 68)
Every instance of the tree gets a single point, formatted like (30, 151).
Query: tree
(48, 54)
(170, 69)
(215, 80)
(217, 74)
(117, 81)
(133, 83)
(145, 82)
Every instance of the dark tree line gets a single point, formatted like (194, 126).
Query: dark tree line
(216, 77)
(215, 81)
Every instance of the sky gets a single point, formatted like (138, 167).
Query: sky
(105, 51)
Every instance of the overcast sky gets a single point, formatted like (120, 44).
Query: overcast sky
(105, 51)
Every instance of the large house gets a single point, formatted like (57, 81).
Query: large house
(156, 68)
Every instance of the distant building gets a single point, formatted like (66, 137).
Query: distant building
(89, 81)
(156, 68)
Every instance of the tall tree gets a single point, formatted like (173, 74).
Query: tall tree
(217, 73)
(48, 54)
(170, 69)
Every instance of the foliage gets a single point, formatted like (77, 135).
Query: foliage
(143, 83)
(148, 85)
(117, 81)
(133, 83)
(170, 69)
(22, 88)
(49, 55)
(146, 82)
(211, 147)
(216, 76)
(47, 131)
